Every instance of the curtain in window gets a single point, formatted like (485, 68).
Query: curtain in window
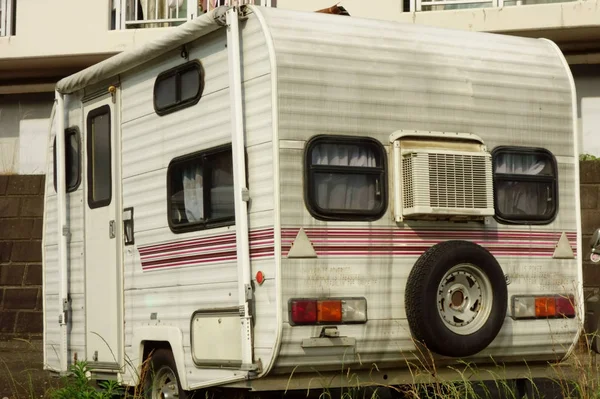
(193, 199)
(221, 192)
(522, 197)
(344, 190)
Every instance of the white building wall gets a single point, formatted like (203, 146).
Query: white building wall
(24, 127)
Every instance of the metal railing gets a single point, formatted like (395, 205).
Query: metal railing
(438, 5)
(6, 17)
(130, 14)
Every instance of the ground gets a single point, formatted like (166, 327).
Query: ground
(21, 373)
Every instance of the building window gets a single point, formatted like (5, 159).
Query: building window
(200, 190)
(525, 185)
(345, 178)
(178, 88)
(72, 159)
(99, 157)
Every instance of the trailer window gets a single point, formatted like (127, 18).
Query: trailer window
(345, 178)
(525, 185)
(99, 158)
(72, 159)
(200, 190)
(178, 88)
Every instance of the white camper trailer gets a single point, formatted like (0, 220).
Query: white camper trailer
(264, 191)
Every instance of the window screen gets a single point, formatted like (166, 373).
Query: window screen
(178, 88)
(200, 190)
(72, 159)
(525, 185)
(345, 178)
(99, 157)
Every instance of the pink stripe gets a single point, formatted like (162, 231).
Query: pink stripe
(176, 264)
(227, 237)
(387, 232)
(214, 259)
(183, 252)
(357, 253)
(346, 242)
(411, 241)
(185, 244)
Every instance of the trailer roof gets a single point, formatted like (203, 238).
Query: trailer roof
(126, 60)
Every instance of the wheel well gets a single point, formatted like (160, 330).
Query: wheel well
(151, 346)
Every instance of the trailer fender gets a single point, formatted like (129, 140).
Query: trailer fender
(456, 298)
(168, 334)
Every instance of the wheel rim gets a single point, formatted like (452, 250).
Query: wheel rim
(464, 299)
(165, 384)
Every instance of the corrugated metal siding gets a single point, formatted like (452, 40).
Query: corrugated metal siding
(372, 77)
(150, 142)
(348, 76)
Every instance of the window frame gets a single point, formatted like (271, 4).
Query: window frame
(525, 219)
(205, 224)
(70, 131)
(309, 169)
(104, 109)
(177, 71)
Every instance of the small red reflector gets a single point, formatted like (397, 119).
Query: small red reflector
(304, 312)
(329, 311)
(545, 307)
(565, 306)
(260, 277)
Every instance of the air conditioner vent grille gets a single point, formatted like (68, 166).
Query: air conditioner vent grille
(447, 183)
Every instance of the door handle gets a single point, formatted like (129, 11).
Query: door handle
(111, 229)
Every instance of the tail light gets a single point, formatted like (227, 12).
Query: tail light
(565, 307)
(303, 311)
(543, 306)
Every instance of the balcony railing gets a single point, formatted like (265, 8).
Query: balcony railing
(438, 5)
(6, 17)
(131, 14)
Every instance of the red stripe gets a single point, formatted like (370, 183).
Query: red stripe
(346, 242)
(200, 259)
(478, 234)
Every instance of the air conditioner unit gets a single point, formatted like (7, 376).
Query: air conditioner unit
(441, 176)
(437, 183)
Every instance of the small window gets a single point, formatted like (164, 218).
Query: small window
(345, 178)
(99, 157)
(200, 190)
(178, 88)
(72, 159)
(525, 185)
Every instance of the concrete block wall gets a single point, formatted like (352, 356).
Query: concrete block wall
(21, 212)
(590, 220)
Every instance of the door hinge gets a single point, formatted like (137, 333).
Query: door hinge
(248, 290)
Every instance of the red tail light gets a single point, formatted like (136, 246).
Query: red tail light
(304, 311)
(565, 306)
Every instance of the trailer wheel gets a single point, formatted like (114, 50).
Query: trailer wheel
(456, 298)
(161, 380)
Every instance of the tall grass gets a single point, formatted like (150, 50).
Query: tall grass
(579, 379)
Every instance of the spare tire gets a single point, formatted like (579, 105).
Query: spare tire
(456, 298)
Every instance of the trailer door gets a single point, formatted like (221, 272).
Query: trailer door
(103, 263)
